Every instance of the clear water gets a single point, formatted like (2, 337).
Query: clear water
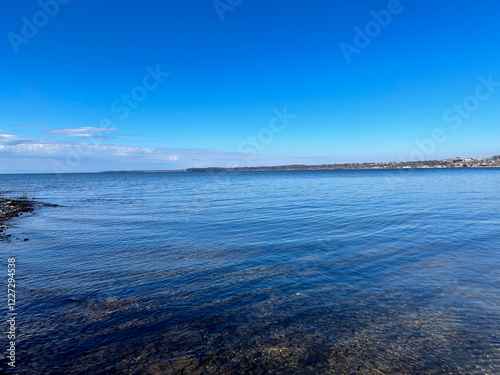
(251, 273)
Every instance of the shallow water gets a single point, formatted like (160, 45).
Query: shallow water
(269, 272)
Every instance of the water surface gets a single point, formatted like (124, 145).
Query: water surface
(259, 272)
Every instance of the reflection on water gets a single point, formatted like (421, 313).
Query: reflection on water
(303, 272)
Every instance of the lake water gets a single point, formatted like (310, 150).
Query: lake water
(323, 272)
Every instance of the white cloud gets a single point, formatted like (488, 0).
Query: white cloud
(42, 155)
(82, 132)
(24, 153)
(8, 139)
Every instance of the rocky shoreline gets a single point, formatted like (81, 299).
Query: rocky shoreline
(10, 208)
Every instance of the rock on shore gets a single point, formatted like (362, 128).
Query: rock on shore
(10, 208)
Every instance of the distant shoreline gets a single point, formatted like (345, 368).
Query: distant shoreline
(265, 169)
(493, 162)
(473, 163)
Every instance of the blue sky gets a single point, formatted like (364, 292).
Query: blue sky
(98, 85)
